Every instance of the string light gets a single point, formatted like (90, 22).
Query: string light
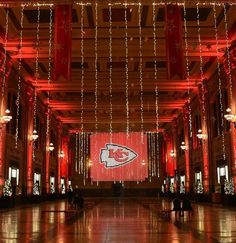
(82, 69)
(49, 71)
(36, 80)
(5, 58)
(19, 76)
(126, 72)
(96, 67)
(110, 69)
(187, 70)
(76, 152)
(219, 83)
(229, 69)
(201, 66)
(140, 68)
(156, 88)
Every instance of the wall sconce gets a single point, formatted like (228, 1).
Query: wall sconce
(200, 135)
(61, 154)
(143, 162)
(183, 146)
(34, 136)
(90, 163)
(172, 153)
(50, 147)
(5, 118)
(229, 116)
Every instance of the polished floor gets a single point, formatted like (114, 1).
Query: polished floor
(112, 220)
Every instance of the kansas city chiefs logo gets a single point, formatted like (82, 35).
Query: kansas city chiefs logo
(116, 155)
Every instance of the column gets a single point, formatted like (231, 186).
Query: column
(3, 107)
(47, 156)
(29, 143)
(188, 145)
(205, 122)
(232, 103)
(59, 148)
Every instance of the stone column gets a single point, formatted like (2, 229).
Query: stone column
(188, 145)
(5, 68)
(231, 73)
(59, 148)
(204, 109)
(29, 143)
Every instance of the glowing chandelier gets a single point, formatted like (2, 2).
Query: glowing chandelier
(5, 118)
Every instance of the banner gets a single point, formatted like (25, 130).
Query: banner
(122, 159)
(63, 41)
(174, 36)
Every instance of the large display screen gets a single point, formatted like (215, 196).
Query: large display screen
(118, 157)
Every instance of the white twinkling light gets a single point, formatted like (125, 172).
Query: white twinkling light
(187, 71)
(140, 67)
(5, 58)
(49, 70)
(96, 68)
(82, 68)
(19, 77)
(76, 152)
(219, 83)
(126, 72)
(156, 91)
(110, 69)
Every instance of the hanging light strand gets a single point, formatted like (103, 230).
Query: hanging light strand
(219, 83)
(19, 76)
(140, 68)
(5, 57)
(82, 69)
(110, 69)
(96, 68)
(76, 152)
(49, 71)
(126, 73)
(187, 70)
(156, 89)
(228, 55)
(201, 67)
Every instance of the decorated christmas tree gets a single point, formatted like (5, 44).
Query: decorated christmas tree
(229, 187)
(7, 190)
(172, 189)
(199, 188)
(52, 188)
(36, 189)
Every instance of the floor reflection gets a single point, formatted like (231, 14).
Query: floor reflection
(112, 220)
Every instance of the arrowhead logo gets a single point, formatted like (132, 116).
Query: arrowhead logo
(116, 155)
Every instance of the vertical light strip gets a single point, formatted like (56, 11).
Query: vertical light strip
(201, 66)
(76, 152)
(49, 71)
(219, 83)
(157, 164)
(82, 69)
(140, 67)
(110, 69)
(126, 72)
(19, 76)
(4, 59)
(96, 68)
(187, 71)
(228, 56)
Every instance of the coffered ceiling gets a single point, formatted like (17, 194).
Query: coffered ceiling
(65, 96)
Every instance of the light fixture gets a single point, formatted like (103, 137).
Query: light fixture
(34, 136)
(50, 147)
(200, 135)
(172, 153)
(143, 162)
(61, 154)
(229, 116)
(5, 118)
(183, 146)
(90, 163)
